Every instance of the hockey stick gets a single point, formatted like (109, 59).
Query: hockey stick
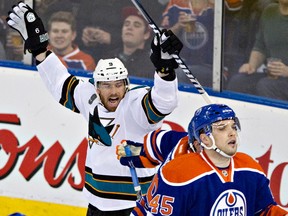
(136, 184)
(178, 59)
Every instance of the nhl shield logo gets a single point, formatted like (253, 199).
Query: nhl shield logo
(230, 202)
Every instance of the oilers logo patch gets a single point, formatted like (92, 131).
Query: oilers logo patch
(230, 202)
(197, 39)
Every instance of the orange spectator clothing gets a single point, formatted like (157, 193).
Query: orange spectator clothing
(77, 59)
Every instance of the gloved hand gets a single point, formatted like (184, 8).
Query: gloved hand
(23, 19)
(162, 49)
(135, 148)
(138, 158)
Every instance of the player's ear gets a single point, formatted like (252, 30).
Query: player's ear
(197, 146)
(205, 139)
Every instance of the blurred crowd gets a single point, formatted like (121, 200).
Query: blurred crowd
(83, 32)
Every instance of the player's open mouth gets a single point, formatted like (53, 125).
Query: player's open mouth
(232, 142)
(113, 100)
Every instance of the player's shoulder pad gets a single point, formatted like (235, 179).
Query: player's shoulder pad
(181, 148)
(184, 169)
(242, 160)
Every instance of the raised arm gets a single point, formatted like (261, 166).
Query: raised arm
(54, 74)
(25, 20)
(164, 93)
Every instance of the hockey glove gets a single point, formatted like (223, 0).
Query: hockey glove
(23, 19)
(162, 49)
(138, 158)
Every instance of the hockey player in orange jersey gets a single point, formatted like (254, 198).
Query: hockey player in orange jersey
(217, 181)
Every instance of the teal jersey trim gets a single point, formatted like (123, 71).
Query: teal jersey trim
(114, 187)
(152, 114)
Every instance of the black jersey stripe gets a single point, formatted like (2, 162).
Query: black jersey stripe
(67, 97)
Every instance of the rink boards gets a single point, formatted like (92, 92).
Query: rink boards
(43, 145)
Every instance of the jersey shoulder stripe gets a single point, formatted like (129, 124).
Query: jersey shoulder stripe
(151, 112)
(150, 146)
(67, 97)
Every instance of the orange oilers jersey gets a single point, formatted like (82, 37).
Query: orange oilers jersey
(233, 5)
(171, 13)
(78, 59)
(190, 184)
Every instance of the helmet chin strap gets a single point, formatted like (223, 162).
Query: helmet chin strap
(215, 148)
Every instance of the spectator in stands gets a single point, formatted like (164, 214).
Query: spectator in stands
(2, 38)
(192, 21)
(271, 41)
(45, 8)
(11, 41)
(2, 52)
(133, 52)
(62, 33)
(238, 41)
(2, 29)
(101, 30)
(14, 46)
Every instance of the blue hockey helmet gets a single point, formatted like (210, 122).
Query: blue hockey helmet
(205, 116)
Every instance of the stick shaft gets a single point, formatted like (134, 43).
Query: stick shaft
(134, 176)
(177, 58)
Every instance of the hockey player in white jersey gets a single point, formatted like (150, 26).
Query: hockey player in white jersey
(114, 111)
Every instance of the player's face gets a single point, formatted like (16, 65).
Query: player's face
(111, 93)
(225, 134)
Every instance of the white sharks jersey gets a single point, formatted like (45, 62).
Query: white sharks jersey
(108, 184)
